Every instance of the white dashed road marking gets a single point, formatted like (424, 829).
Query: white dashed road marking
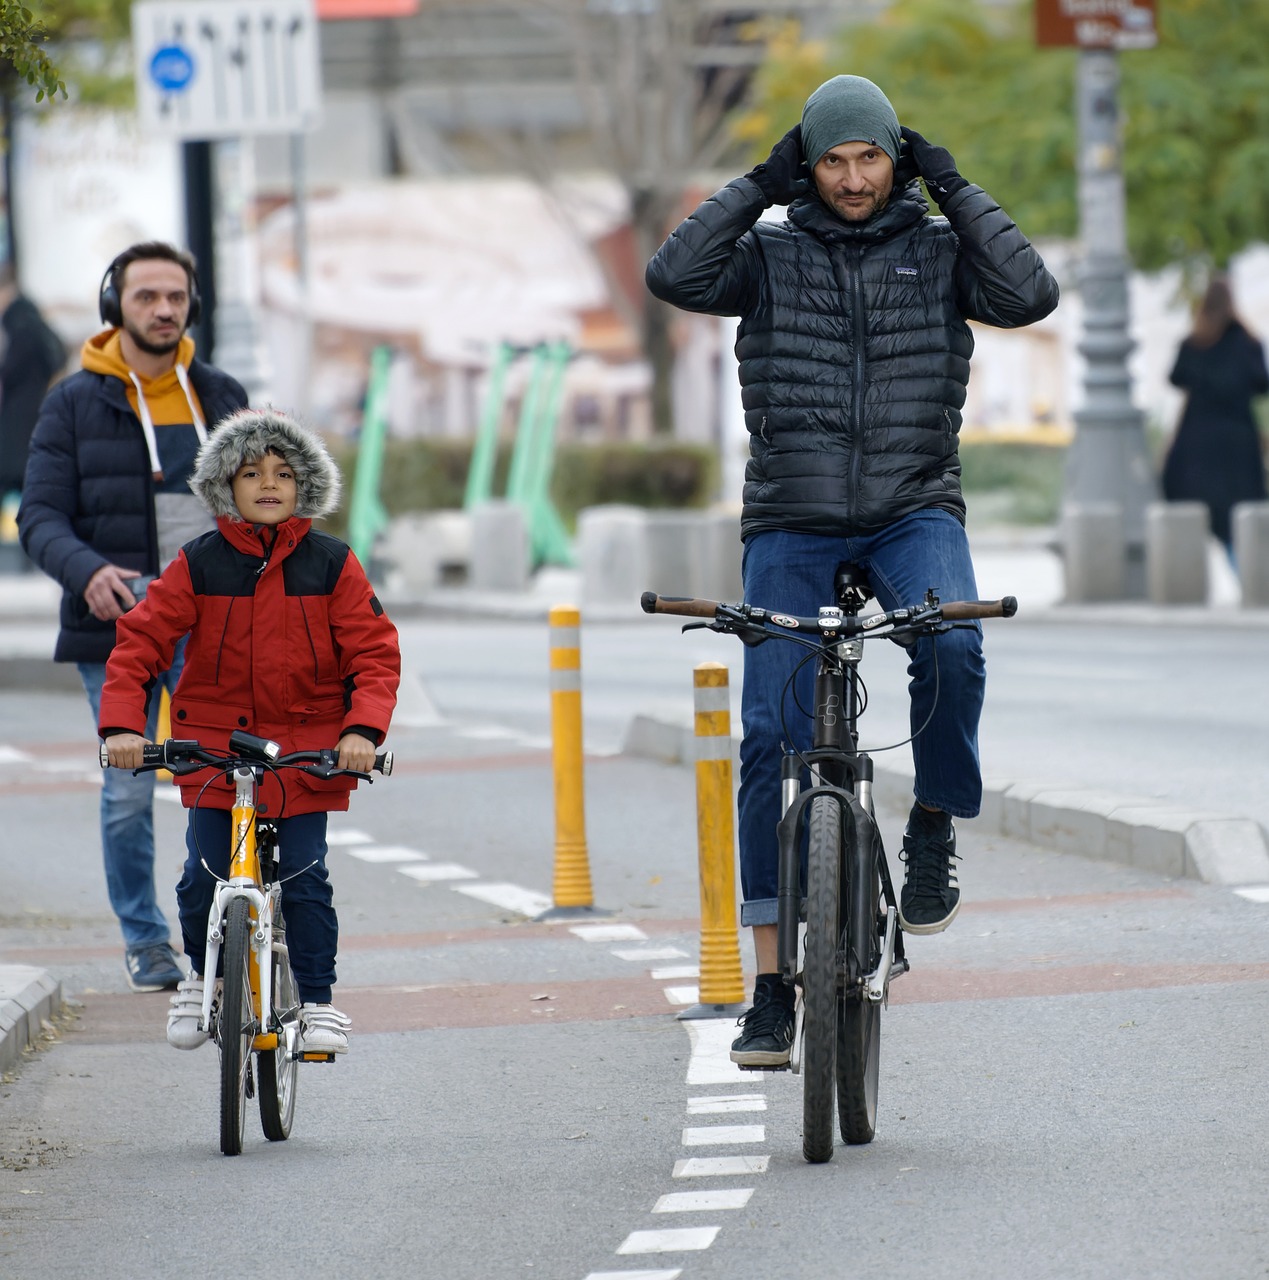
(720, 1166)
(703, 1201)
(673, 1241)
(439, 871)
(636, 954)
(682, 995)
(716, 1106)
(385, 853)
(510, 897)
(676, 971)
(609, 932)
(724, 1135)
(1254, 892)
(348, 835)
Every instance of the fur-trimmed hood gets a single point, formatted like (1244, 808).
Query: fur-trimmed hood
(246, 436)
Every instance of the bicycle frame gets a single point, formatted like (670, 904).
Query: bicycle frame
(246, 881)
(837, 769)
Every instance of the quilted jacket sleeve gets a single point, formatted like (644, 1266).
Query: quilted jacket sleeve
(1000, 279)
(710, 263)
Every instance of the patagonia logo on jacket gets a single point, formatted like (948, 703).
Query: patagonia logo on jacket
(907, 273)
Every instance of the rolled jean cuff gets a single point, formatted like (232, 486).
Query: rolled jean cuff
(761, 911)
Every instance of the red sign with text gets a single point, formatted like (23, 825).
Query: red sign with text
(1096, 24)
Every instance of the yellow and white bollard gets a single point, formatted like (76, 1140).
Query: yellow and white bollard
(722, 987)
(572, 892)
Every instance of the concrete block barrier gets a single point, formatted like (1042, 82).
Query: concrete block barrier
(499, 548)
(1094, 553)
(612, 543)
(675, 541)
(1251, 551)
(421, 552)
(1176, 552)
(28, 998)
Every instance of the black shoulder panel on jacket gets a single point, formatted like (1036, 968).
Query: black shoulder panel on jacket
(217, 569)
(314, 568)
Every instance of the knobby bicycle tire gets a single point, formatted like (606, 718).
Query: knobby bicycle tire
(237, 1027)
(276, 1069)
(859, 1020)
(819, 977)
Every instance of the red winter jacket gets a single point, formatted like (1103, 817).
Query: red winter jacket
(286, 640)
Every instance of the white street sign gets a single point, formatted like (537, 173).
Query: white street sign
(226, 68)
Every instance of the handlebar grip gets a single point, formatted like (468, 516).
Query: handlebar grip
(685, 606)
(383, 762)
(152, 754)
(967, 610)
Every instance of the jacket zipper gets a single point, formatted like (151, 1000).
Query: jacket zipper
(855, 274)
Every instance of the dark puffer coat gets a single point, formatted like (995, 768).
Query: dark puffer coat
(853, 343)
(89, 495)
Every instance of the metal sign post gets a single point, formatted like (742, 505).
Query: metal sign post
(1108, 463)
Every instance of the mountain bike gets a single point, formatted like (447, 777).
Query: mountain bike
(833, 874)
(255, 1010)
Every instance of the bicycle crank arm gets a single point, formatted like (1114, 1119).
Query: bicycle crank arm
(876, 986)
(795, 1052)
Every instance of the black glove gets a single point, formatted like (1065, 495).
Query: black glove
(783, 175)
(935, 165)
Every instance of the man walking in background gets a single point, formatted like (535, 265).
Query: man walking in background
(106, 505)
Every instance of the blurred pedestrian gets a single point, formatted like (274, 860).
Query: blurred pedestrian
(1216, 454)
(33, 356)
(106, 507)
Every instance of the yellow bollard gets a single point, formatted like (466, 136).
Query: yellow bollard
(722, 987)
(572, 892)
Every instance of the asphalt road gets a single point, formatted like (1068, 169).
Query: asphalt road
(1071, 1075)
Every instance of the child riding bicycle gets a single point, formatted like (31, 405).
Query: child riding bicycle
(286, 639)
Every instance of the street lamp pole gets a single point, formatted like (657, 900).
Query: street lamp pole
(1108, 461)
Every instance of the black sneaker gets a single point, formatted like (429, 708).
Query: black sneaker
(153, 968)
(767, 1038)
(930, 897)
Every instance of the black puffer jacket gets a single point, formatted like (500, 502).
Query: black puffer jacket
(89, 494)
(853, 347)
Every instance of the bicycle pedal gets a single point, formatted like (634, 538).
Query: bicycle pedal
(317, 1057)
(784, 1066)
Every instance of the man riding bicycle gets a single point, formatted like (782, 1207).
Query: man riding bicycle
(854, 359)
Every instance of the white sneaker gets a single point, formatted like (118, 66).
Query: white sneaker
(183, 1031)
(323, 1029)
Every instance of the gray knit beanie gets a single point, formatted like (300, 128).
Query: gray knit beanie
(848, 109)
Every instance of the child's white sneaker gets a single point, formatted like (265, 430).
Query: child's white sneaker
(183, 1031)
(323, 1029)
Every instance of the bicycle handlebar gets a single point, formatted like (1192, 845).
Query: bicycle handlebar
(182, 755)
(747, 617)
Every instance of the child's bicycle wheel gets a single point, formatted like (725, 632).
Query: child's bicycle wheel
(278, 1069)
(237, 1027)
(820, 977)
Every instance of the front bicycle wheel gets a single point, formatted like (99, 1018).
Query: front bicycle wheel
(237, 1026)
(278, 1069)
(819, 976)
(859, 1019)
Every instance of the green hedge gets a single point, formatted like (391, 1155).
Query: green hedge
(431, 475)
(1024, 481)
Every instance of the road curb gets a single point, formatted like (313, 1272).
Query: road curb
(29, 998)
(1151, 835)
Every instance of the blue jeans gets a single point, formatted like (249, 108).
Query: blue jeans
(312, 928)
(127, 822)
(793, 573)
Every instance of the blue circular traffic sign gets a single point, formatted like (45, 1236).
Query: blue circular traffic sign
(171, 68)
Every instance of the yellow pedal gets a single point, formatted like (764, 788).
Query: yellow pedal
(317, 1057)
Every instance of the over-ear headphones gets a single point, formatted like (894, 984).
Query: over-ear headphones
(109, 306)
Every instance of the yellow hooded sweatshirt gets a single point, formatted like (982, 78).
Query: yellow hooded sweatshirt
(172, 422)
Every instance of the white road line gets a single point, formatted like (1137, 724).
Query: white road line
(720, 1166)
(724, 1135)
(682, 995)
(385, 853)
(711, 1045)
(511, 897)
(716, 1106)
(609, 932)
(439, 871)
(348, 835)
(11, 755)
(1254, 892)
(676, 971)
(703, 1201)
(679, 1240)
(648, 953)
(636, 1275)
